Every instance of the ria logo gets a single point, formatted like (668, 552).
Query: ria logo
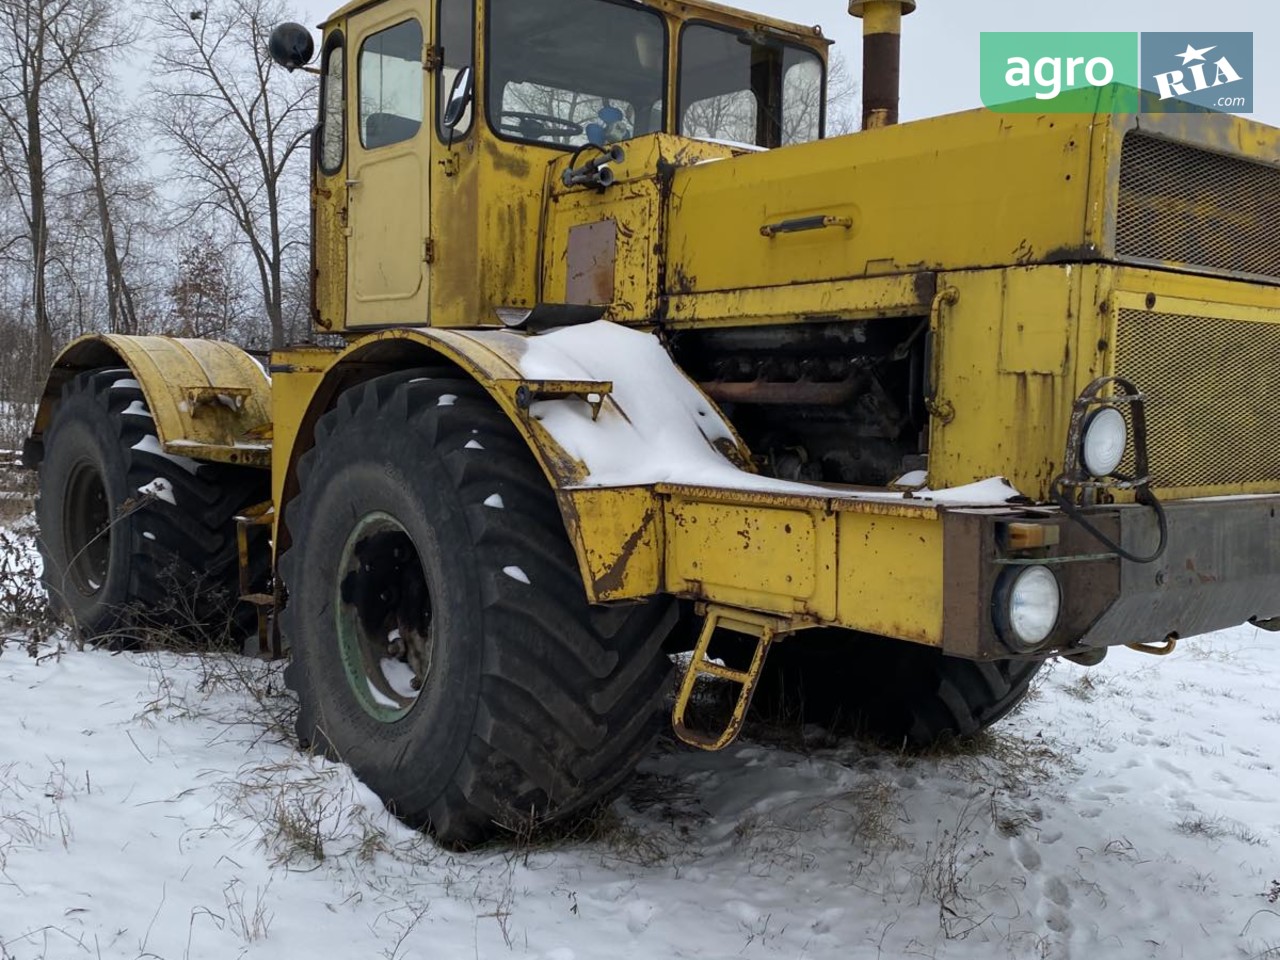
(1171, 84)
(1211, 71)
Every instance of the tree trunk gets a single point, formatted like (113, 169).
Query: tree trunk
(38, 220)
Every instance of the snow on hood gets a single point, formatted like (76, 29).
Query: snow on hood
(657, 426)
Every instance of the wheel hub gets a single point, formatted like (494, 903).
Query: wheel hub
(383, 615)
(86, 527)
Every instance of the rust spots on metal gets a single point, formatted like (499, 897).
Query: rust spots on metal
(611, 580)
(678, 281)
(809, 392)
(592, 262)
(925, 286)
(1080, 253)
(1202, 577)
(507, 160)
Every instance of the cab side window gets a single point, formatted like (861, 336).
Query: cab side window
(456, 33)
(332, 97)
(391, 107)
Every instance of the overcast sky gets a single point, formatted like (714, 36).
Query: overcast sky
(940, 40)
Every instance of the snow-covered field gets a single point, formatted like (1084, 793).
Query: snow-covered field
(150, 806)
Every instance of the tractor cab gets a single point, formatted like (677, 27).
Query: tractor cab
(440, 126)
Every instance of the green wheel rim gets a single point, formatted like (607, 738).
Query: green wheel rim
(383, 617)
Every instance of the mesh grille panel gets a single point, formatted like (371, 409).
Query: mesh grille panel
(1182, 204)
(1213, 396)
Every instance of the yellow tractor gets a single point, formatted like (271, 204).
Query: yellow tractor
(637, 361)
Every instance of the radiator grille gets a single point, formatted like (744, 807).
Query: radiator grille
(1213, 396)
(1189, 206)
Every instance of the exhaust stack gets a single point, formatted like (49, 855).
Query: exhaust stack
(881, 58)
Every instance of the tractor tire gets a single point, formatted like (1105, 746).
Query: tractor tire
(899, 693)
(441, 641)
(139, 545)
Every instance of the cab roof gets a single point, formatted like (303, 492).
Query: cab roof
(683, 9)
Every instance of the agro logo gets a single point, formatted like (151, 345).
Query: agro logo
(1208, 70)
(1060, 72)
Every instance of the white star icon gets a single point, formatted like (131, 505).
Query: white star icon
(1192, 53)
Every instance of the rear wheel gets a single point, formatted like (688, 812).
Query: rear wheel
(134, 540)
(894, 691)
(440, 637)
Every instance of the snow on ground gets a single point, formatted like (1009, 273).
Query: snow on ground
(151, 806)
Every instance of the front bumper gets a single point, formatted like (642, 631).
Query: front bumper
(1220, 568)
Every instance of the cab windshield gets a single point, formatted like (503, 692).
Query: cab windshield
(572, 72)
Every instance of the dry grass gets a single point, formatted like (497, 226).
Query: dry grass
(1218, 828)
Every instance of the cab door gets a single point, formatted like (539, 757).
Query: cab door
(388, 275)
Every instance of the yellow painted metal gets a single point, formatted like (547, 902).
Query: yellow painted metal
(752, 554)
(863, 563)
(210, 400)
(764, 631)
(1007, 417)
(292, 396)
(620, 533)
(1006, 189)
(388, 192)
(891, 575)
(865, 298)
(1161, 649)
(620, 225)
(881, 16)
(676, 9)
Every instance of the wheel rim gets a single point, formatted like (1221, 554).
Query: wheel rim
(383, 613)
(86, 527)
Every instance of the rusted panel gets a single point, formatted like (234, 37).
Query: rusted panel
(973, 555)
(619, 534)
(1222, 567)
(592, 261)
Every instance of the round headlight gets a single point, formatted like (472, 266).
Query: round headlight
(1033, 600)
(1105, 437)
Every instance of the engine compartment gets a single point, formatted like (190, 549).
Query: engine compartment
(835, 402)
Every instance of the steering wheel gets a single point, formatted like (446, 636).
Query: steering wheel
(551, 126)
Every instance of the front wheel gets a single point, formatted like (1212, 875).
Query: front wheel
(440, 636)
(898, 692)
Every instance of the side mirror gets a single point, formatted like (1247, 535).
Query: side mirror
(459, 98)
(291, 46)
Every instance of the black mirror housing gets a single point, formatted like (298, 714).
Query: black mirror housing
(291, 46)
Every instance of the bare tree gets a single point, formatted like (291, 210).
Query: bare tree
(204, 291)
(842, 97)
(94, 134)
(38, 41)
(234, 122)
(734, 115)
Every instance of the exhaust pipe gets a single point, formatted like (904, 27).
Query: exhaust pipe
(881, 58)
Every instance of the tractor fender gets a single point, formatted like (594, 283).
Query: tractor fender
(210, 400)
(604, 409)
